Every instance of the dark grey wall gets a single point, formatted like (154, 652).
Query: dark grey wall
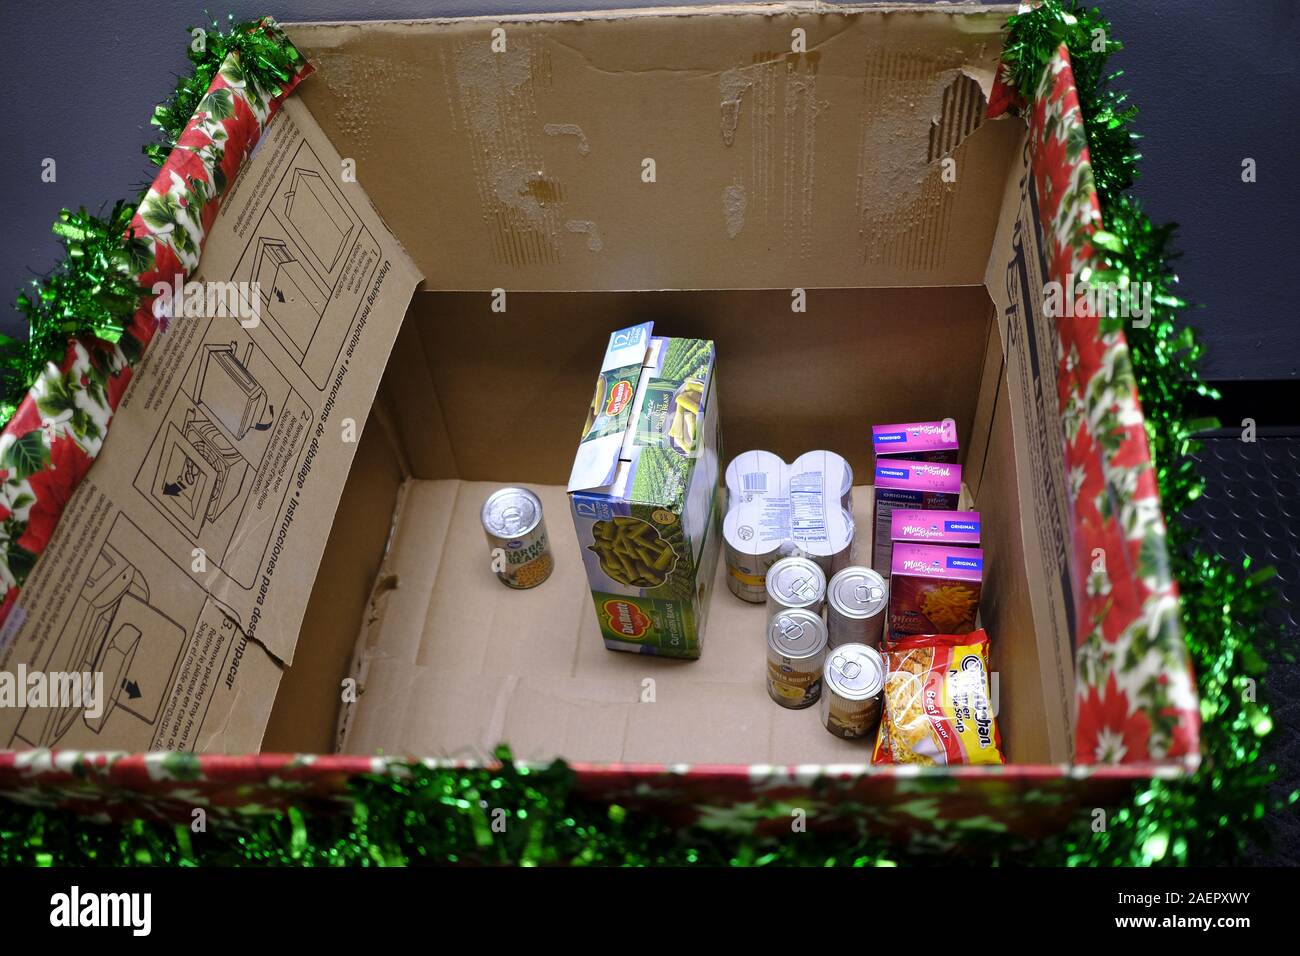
(1217, 81)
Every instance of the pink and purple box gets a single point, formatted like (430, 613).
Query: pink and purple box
(916, 441)
(934, 589)
(906, 485)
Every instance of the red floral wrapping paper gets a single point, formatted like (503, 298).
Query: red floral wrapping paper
(1136, 693)
(60, 426)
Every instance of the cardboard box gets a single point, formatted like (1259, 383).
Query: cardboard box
(683, 165)
(644, 492)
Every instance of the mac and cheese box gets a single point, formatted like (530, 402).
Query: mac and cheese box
(934, 589)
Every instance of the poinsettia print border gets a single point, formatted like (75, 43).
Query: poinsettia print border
(1136, 698)
(60, 425)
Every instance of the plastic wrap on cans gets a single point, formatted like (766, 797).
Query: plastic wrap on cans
(855, 607)
(795, 584)
(754, 537)
(516, 534)
(830, 543)
(796, 655)
(838, 474)
(754, 474)
(853, 678)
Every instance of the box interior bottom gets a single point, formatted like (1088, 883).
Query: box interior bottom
(460, 662)
(449, 662)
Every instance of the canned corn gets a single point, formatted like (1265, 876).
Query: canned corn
(855, 607)
(796, 650)
(853, 678)
(795, 584)
(516, 534)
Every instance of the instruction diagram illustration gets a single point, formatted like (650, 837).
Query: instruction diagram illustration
(220, 460)
(117, 631)
(313, 261)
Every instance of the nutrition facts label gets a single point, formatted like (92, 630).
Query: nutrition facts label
(807, 512)
(774, 520)
(884, 546)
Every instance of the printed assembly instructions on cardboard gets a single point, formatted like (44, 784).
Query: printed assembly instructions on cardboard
(182, 565)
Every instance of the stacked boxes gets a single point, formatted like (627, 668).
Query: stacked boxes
(643, 492)
(918, 526)
(909, 485)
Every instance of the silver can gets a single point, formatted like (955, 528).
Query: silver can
(855, 607)
(795, 584)
(796, 654)
(754, 538)
(516, 534)
(853, 678)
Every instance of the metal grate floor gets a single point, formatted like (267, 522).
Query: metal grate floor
(1251, 506)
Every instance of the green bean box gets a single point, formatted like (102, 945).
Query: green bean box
(644, 492)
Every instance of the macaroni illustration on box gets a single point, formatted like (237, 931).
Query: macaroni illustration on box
(644, 492)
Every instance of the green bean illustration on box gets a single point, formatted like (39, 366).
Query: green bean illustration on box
(631, 552)
(684, 428)
(687, 358)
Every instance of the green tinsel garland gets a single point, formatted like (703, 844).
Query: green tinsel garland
(1211, 817)
(93, 292)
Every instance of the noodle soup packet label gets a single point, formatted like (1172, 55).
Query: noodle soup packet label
(644, 492)
(934, 589)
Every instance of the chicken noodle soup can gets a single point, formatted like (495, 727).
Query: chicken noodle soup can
(796, 654)
(795, 584)
(855, 607)
(516, 534)
(852, 681)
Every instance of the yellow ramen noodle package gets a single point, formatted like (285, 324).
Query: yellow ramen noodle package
(938, 709)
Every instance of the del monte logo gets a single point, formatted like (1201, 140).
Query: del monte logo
(618, 398)
(626, 619)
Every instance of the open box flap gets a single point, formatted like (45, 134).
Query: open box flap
(613, 409)
(182, 565)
